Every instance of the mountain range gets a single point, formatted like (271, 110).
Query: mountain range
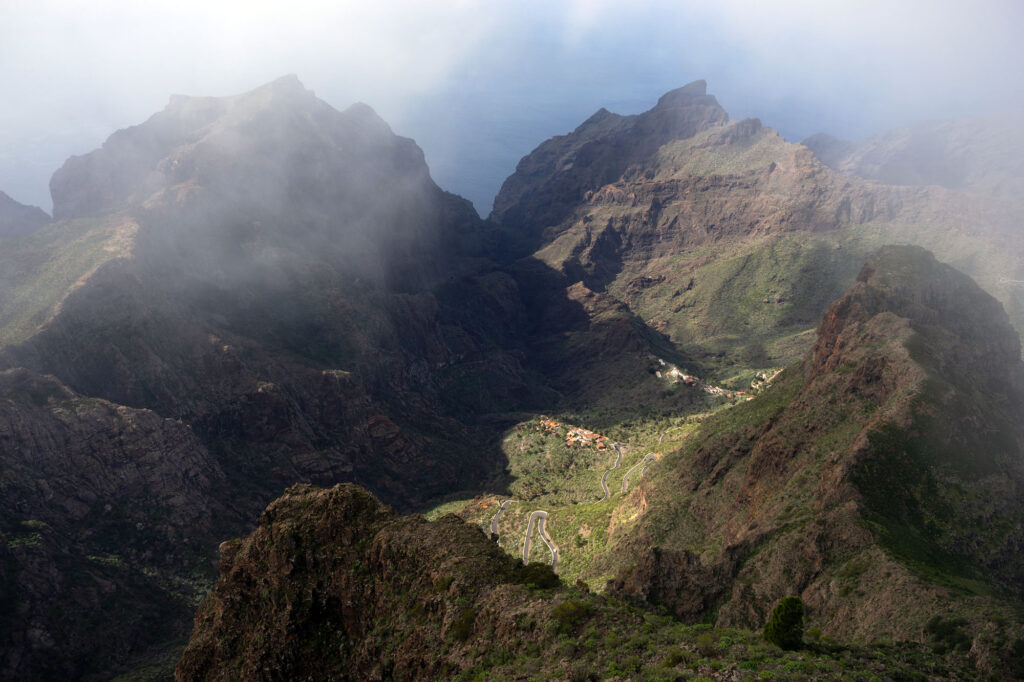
(249, 292)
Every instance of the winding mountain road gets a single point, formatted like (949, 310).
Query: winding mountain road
(604, 479)
(494, 521)
(540, 518)
(642, 463)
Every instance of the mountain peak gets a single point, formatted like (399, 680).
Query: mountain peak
(685, 94)
(289, 81)
(281, 89)
(196, 136)
(549, 181)
(284, 89)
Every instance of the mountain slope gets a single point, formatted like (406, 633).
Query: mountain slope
(242, 293)
(880, 479)
(108, 514)
(979, 155)
(256, 257)
(18, 219)
(251, 278)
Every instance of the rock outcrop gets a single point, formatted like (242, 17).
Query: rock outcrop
(331, 581)
(332, 585)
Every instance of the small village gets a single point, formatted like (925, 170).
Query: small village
(575, 435)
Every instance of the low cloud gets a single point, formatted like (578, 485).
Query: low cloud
(455, 75)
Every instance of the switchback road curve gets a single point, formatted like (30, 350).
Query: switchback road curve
(494, 521)
(540, 518)
(604, 479)
(642, 463)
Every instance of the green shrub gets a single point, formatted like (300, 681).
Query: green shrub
(1016, 658)
(537, 574)
(462, 626)
(678, 656)
(785, 628)
(570, 613)
(706, 644)
(947, 635)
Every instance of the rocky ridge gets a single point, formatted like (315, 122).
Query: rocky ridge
(885, 465)
(333, 585)
(980, 155)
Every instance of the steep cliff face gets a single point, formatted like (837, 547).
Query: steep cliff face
(269, 177)
(551, 181)
(880, 479)
(108, 514)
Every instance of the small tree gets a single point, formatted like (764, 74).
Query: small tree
(785, 628)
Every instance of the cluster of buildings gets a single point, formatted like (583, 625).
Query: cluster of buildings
(575, 435)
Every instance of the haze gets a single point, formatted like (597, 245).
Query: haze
(479, 84)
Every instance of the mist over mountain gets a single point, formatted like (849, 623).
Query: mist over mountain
(663, 349)
(980, 155)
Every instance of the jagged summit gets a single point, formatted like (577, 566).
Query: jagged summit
(557, 175)
(685, 94)
(202, 140)
(288, 86)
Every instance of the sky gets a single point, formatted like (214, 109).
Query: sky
(479, 83)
